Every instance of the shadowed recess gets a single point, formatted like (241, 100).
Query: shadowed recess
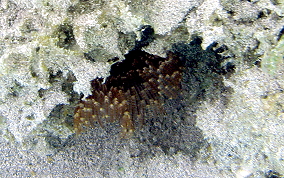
(160, 94)
(135, 90)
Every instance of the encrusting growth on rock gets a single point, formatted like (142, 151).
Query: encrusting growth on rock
(135, 91)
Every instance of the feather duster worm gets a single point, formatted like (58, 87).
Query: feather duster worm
(135, 91)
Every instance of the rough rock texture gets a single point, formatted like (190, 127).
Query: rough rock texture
(51, 50)
(247, 136)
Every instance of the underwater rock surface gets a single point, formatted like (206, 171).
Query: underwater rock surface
(230, 123)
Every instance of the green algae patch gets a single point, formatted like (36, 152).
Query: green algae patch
(273, 60)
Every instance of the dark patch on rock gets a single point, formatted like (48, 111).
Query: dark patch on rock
(147, 36)
(89, 56)
(126, 41)
(16, 89)
(273, 174)
(41, 92)
(202, 79)
(66, 38)
(280, 34)
(204, 69)
(54, 141)
(55, 77)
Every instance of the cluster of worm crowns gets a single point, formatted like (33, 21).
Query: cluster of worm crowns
(136, 90)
